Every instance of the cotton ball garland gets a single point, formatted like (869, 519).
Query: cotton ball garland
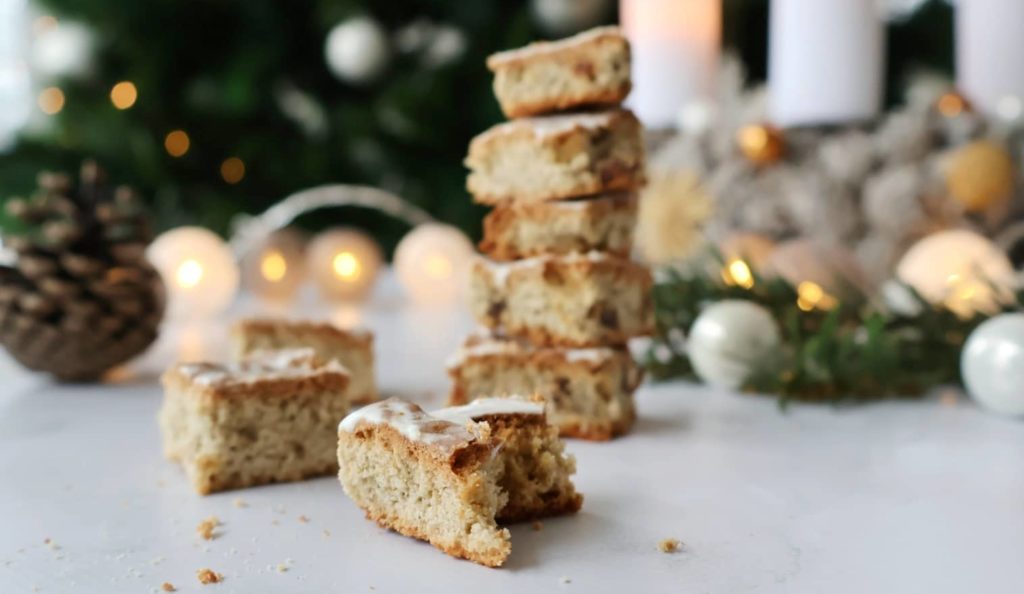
(432, 263)
(959, 269)
(731, 340)
(992, 364)
(848, 157)
(198, 270)
(357, 50)
(891, 201)
(276, 269)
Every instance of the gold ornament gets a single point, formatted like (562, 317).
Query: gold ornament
(979, 175)
(761, 144)
(952, 104)
(672, 208)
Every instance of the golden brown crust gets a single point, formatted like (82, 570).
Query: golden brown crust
(355, 338)
(207, 485)
(576, 85)
(557, 272)
(506, 223)
(615, 163)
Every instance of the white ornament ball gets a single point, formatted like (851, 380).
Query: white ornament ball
(568, 16)
(731, 340)
(63, 50)
(198, 269)
(992, 364)
(432, 263)
(959, 269)
(344, 264)
(357, 50)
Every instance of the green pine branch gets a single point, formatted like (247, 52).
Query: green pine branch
(856, 351)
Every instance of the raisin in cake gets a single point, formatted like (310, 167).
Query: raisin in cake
(268, 418)
(522, 230)
(352, 348)
(449, 477)
(588, 392)
(577, 300)
(556, 157)
(586, 70)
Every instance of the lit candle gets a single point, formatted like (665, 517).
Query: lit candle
(990, 55)
(198, 270)
(344, 263)
(675, 50)
(824, 61)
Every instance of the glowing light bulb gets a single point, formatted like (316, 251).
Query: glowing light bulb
(273, 266)
(124, 94)
(346, 266)
(738, 273)
(276, 269)
(198, 269)
(189, 274)
(344, 263)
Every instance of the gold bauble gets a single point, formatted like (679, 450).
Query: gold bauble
(761, 144)
(979, 175)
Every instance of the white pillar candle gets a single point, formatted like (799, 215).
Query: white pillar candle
(824, 61)
(990, 54)
(676, 46)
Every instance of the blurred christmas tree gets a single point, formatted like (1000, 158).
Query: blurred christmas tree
(211, 108)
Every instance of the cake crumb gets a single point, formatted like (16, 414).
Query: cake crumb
(274, 522)
(209, 576)
(206, 527)
(537, 526)
(51, 543)
(669, 545)
(565, 580)
(168, 587)
(281, 568)
(327, 533)
(303, 519)
(239, 502)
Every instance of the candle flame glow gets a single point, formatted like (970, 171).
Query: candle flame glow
(346, 266)
(189, 273)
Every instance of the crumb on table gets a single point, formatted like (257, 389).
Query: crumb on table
(565, 580)
(206, 527)
(168, 587)
(209, 576)
(281, 568)
(669, 545)
(303, 519)
(537, 526)
(239, 502)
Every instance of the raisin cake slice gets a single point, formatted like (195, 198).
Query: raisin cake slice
(586, 70)
(352, 348)
(588, 392)
(521, 230)
(556, 157)
(268, 418)
(576, 300)
(449, 477)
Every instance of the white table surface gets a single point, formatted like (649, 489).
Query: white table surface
(922, 496)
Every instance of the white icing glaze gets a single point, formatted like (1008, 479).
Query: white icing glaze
(260, 365)
(477, 345)
(481, 407)
(500, 271)
(544, 47)
(545, 126)
(409, 420)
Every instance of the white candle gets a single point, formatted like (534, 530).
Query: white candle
(675, 45)
(990, 54)
(824, 61)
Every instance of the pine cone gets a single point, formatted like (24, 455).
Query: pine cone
(80, 296)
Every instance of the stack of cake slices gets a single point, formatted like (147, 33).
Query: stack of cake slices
(556, 291)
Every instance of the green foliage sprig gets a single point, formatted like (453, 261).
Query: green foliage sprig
(854, 351)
